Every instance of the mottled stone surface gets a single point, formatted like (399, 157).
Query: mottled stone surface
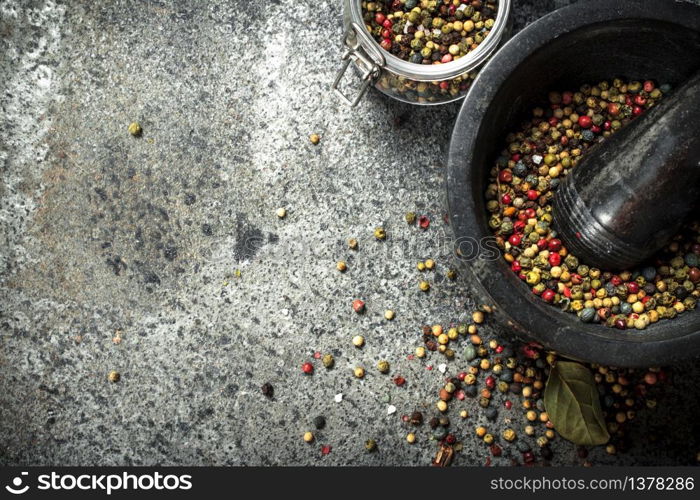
(103, 233)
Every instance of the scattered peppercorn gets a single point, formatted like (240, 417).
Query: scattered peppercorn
(281, 213)
(352, 244)
(358, 341)
(424, 286)
(359, 372)
(114, 376)
(389, 314)
(341, 266)
(307, 368)
(268, 390)
(410, 218)
(380, 233)
(135, 129)
(315, 139)
(328, 360)
(320, 422)
(358, 306)
(309, 437)
(370, 445)
(383, 366)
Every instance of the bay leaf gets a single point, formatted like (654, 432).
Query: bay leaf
(572, 402)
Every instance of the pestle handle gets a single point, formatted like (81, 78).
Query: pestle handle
(631, 193)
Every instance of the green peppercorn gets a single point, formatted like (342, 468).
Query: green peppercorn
(328, 361)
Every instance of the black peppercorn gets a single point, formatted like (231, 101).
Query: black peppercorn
(320, 422)
(267, 389)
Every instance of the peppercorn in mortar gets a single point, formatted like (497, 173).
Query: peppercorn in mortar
(519, 197)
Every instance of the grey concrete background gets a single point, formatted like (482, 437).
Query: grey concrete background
(102, 232)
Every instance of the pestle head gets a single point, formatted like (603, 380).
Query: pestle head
(632, 192)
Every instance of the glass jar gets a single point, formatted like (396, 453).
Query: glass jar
(423, 84)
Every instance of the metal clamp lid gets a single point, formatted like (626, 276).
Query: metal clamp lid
(367, 58)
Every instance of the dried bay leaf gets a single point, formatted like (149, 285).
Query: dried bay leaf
(571, 399)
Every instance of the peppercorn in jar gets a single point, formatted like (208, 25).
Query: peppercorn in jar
(420, 51)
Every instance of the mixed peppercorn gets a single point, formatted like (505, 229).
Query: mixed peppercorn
(499, 376)
(429, 31)
(506, 383)
(519, 199)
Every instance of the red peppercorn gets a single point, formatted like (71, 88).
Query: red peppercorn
(505, 176)
(386, 44)
(399, 381)
(462, 375)
(576, 279)
(506, 199)
(307, 368)
(567, 292)
(496, 450)
(519, 225)
(553, 121)
(325, 449)
(499, 349)
(632, 287)
(530, 213)
(515, 239)
(694, 274)
(607, 125)
(387, 24)
(616, 280)
(460, 395)
(444, 85)
(450, 439)
(620, 324)
(637, 110)
(386, 33)
(528, 457)
(379, 18)
(585, 121)
(640, 100)
(595, 129)
(628, 100)
(548, 295)
(532, 195)
(564, 140)
(614, 108)
(446, 58)
(554, 259)
(358, 306)
(554, 245)
(423, 222)
(508, 404)
(490, 382)
(541, 243)
(515, 157)
(648, 86)
(516, 267)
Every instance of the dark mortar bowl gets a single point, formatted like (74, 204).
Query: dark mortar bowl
(586, 42)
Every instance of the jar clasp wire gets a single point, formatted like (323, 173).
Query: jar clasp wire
(370, 65)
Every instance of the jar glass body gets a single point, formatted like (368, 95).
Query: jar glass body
(410, 82)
